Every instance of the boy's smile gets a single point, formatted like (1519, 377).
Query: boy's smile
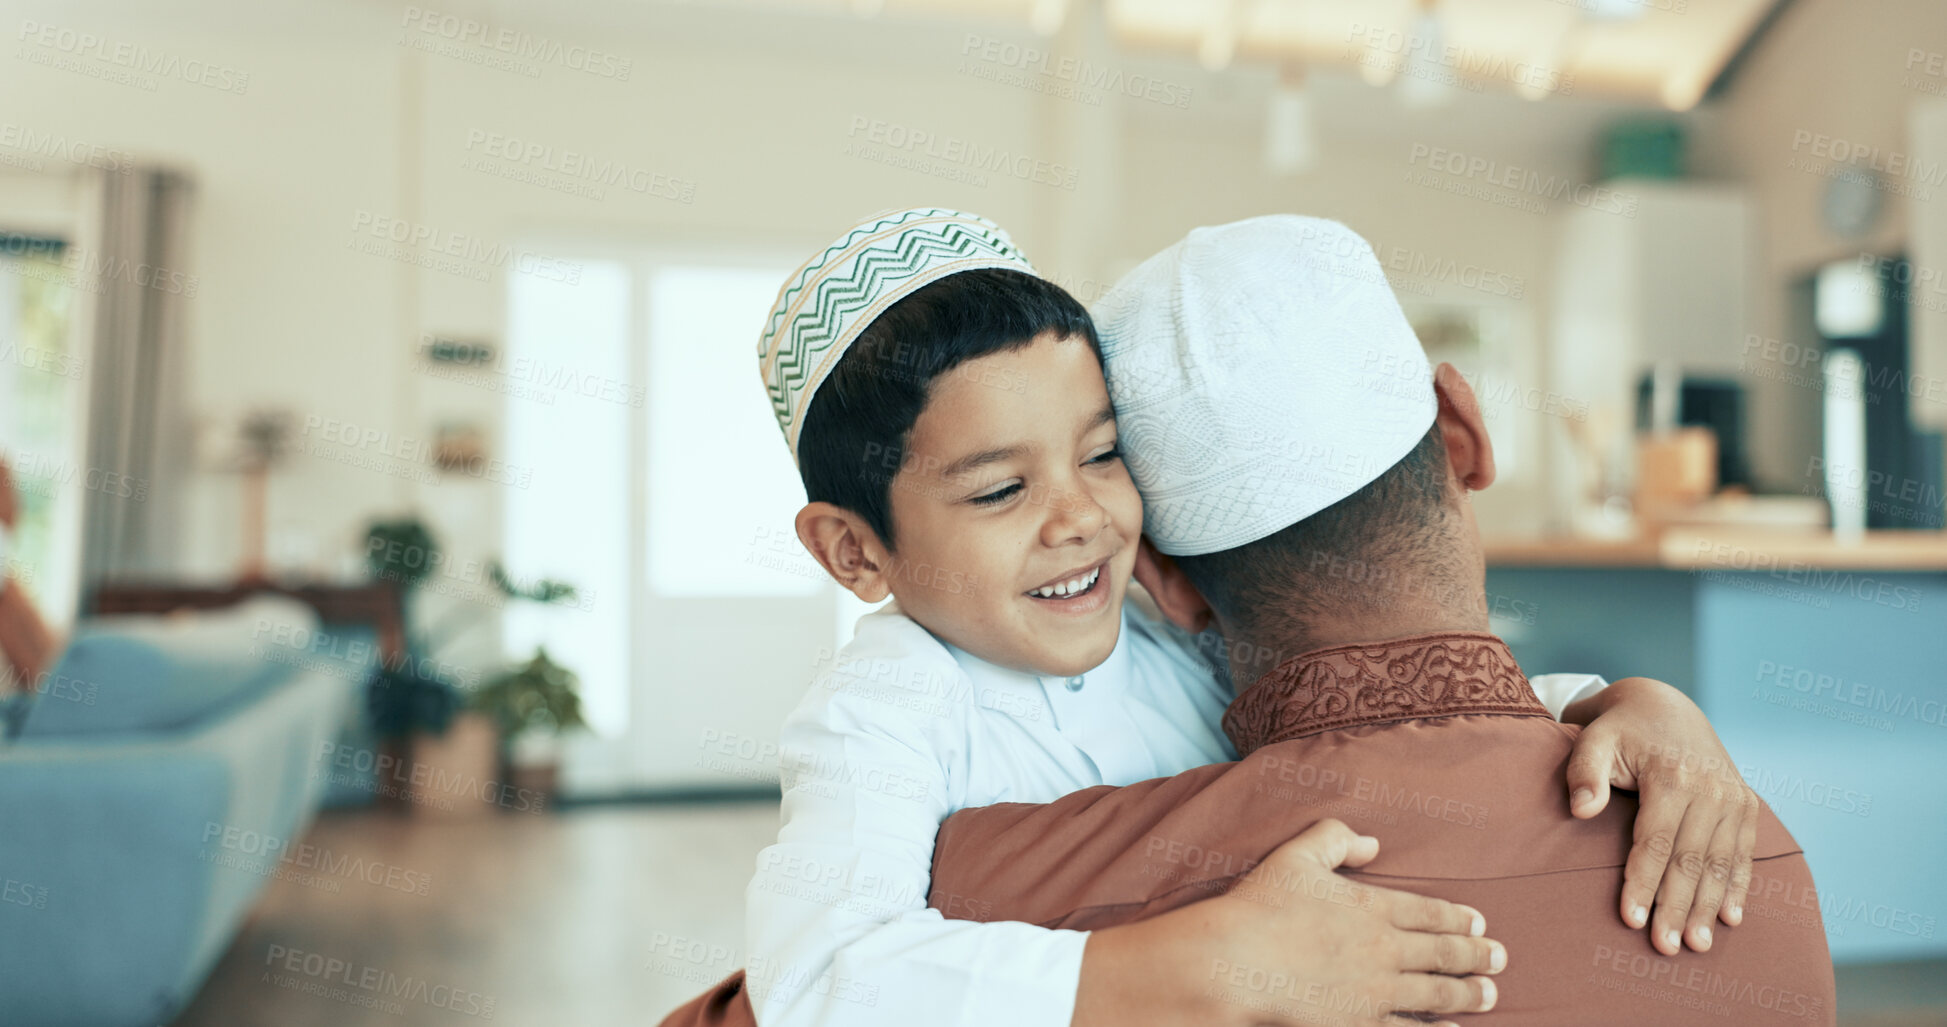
(1012, 477)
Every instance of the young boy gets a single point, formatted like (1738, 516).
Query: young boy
(949, 417)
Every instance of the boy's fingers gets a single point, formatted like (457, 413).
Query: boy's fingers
(1410, 912)
(1658, 816)
(1434, 993)
(1720, 860)
(1678, 891)
(1747, 843)
(1328, 844)
(1452, 954)
(1588, 773)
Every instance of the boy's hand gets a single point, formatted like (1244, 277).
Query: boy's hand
(1696, 820)
(1292, 941)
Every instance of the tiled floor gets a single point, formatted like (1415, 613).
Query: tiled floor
(602, 916)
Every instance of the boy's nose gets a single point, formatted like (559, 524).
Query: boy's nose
(1073, 517)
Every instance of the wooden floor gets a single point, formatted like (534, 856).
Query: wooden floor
(551, 919)
(601, 916)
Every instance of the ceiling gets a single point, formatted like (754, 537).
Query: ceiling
(1658, 52)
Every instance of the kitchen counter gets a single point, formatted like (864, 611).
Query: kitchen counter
(1731, 549)
(1820, 664)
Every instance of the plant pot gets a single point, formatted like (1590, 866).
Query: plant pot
(533, 770)
(453, 775)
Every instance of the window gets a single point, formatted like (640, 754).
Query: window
(41, 397)
(572, 521)
(667, 496)
(722, 492)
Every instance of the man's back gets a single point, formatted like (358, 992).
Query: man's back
(1436, 746)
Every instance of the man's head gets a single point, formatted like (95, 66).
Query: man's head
(1303, 470)
(960, 454)
(1400, 556)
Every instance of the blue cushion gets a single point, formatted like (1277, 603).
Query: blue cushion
(135, 674)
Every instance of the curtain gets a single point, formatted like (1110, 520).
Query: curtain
(137, 439)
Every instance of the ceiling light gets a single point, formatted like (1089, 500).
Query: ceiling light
(1682, 92)
(1215, 50)
(1047, 16)
(1290, 134)
(1426, 82)
(1612, 10)
(1219, 42)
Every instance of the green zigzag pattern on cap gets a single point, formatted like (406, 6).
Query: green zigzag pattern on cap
(836, 296)
(811, 267)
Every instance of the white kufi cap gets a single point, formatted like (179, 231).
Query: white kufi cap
(1261, 371)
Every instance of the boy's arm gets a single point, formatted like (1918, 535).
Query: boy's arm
(837, 921)
(1696, 819)
(840, 933)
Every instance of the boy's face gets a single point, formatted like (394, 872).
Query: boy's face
(1013, 488)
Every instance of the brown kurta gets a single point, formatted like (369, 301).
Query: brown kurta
(1437, 746)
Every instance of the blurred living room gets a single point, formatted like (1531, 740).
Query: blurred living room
(401, 579)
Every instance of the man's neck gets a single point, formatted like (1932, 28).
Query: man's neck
(1348, 626)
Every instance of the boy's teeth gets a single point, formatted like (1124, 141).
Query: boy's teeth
(1069, 587)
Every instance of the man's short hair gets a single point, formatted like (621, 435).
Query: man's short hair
(857, 427)
(1373, 549)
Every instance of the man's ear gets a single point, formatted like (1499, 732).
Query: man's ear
(1469, 452)
(1170, 587)
(848, 549)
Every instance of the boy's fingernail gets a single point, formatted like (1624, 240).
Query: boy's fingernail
(1583, 796)
(1637, 915)
(1478, 927)
(1736, 913)
(1673, 939)
(1488, 994)
(1497, 958)
(1703, 936)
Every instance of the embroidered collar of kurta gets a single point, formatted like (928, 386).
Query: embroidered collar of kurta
(1438, 675)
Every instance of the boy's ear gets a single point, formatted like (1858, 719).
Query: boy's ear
(1170, 587)
(848, 549)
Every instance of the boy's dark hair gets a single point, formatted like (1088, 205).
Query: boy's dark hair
(856, 429)
(1372, 549)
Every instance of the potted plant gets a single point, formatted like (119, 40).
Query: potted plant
(531, 705)
(445, 758)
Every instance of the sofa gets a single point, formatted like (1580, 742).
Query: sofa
(149, 780)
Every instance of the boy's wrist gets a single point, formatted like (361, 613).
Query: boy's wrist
(1146, 972)
(1584, 711)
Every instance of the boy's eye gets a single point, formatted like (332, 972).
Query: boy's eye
(1109, 456)
(997, 496)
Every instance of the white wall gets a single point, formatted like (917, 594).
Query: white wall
(341, 122)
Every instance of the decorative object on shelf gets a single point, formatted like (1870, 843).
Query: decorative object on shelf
(441, 349)
(458, 446)
(532, 705)
(253, 445)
